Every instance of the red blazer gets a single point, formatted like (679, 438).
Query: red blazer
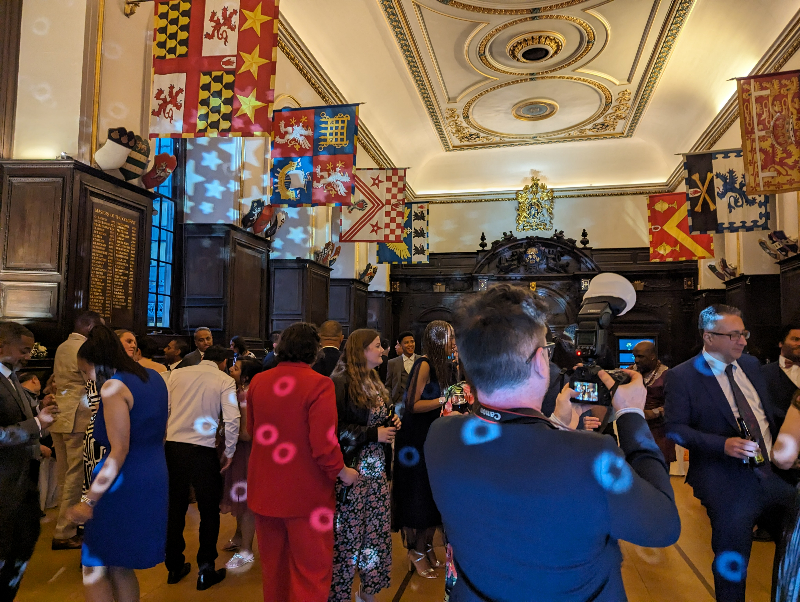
(295, 458)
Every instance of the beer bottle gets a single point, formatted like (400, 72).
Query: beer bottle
(758, 459)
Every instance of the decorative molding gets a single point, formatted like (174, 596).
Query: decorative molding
(498, 196)
(619, 112)
(396, 18)
(461, 131)
(293, 49)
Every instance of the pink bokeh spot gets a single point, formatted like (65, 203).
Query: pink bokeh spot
(266, 434)
(322, 519)
(284, 385)
(283, 453)
(239, 491)
(332, 435)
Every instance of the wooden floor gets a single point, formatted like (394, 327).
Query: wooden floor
(679, 573)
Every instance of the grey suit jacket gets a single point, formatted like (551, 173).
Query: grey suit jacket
(15, 410)
(192, 359)
(396, 378)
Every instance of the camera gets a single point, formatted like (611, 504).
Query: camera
(585, 381)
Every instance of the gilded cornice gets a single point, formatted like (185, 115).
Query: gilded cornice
(398, 23)
(497, 196)
(299, 56)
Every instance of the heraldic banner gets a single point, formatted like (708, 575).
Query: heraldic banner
(213, 68)
(379, 210)
(769, 106)
(314, 156)
(414, 247)
(718, 199)
(668, 222)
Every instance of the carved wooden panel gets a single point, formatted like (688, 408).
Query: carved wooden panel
(28, 300)
(204, 265)
(299, 292)
(34, 214)
(248, 291)
(379, 314)
(348, 304)
(318, 297)
(758, 297)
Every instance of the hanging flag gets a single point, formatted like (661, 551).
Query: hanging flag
(668, 222)
(377, 215)
(213, 68)
(769, 111)
(414, 248)
(718, 199)
(314, 156)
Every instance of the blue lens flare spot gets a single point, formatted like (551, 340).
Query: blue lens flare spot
(731, 566)
(612, 472)
(408, 456)
(476, 431)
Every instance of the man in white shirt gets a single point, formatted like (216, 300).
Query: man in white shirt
(783, 376)
(198, 396)
(399, 368)
(710, 400)
(69, 429)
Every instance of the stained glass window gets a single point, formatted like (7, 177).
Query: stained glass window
(159, 300)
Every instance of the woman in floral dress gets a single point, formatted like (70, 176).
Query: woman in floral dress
(367, 425)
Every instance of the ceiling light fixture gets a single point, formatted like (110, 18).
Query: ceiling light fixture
(535, 47)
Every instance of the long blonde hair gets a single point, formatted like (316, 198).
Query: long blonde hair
(365, 388)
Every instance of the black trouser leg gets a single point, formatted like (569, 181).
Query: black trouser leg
(179, 466)
(25, 533)
(207, 482)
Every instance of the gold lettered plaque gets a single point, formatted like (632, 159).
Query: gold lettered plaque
(112, 272)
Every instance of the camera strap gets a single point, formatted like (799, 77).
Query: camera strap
(515, 415)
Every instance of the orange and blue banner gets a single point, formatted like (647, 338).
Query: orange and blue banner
(668, 222)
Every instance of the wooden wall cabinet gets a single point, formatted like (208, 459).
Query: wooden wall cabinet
(300, 289)
(790, 289)
(379, 314)
(759, 299)
(73, 238)
(348, 304)
(226, 282)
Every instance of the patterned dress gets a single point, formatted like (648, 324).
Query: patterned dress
(92, 450)
(362, 534)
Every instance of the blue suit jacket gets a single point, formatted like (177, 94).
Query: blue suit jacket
(699, 418)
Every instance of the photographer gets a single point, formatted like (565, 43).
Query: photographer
(534, 512)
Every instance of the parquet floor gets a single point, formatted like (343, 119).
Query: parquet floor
(679, 573)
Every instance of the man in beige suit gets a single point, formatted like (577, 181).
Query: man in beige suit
(70, 427)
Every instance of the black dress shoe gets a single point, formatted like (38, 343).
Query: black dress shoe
(175, 576)
(760, 534)
(73, 543)
(208, 577)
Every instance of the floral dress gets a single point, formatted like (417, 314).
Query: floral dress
(362, 535)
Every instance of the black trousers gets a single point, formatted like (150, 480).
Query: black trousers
(192, 466)
(19, 531)
(761, 500)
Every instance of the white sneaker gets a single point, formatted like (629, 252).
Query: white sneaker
(239, 560)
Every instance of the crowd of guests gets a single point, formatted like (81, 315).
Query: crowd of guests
(322, 449)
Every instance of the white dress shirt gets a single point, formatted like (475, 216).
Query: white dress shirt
(408, 362)
(198, 395)
(718, 369)
(793, 372)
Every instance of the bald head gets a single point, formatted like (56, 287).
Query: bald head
(330, 334)
(644, 354)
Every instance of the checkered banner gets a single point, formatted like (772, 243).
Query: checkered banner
(213, 68)
(314, 156)
(414, 246)
(377, 214)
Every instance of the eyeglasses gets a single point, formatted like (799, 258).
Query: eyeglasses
(733, 336)
(548, 349)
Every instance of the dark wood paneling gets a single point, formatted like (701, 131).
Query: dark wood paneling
(33, 223)
(300, 291)
(225, 284)
(348, 304)
(790, 289)
(758, 297)
(379, 314)
(46, 210)
(10, 26)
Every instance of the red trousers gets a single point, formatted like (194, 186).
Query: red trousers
(296, 559)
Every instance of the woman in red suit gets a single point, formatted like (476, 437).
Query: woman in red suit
(293, 469)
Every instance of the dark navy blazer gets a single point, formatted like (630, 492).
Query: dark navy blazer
(781, 390)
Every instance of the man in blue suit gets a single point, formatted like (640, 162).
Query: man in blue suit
(706, 398)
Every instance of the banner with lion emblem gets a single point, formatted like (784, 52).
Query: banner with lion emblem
(718, 198)
(769, 109)
(213, 68)
(314, 156)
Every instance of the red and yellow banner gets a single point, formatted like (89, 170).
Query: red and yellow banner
(769, 109)
(668, 222)
(213, 68)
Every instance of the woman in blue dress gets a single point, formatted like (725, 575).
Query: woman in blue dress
(125, 509)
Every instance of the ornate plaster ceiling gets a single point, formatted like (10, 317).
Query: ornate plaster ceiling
(582, 92)
(582, 60)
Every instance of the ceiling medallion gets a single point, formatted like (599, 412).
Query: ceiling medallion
(535, 47)
(534, 109)
(535, 207)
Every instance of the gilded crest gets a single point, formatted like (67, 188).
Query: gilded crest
(535, 207)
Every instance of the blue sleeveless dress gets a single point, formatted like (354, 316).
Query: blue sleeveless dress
(129, 526)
